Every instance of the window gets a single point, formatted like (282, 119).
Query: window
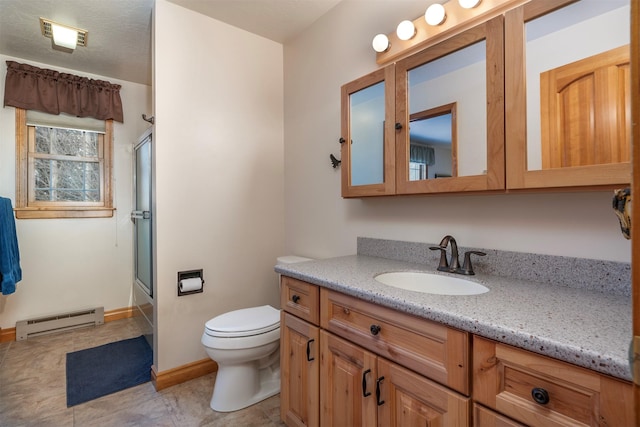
(63, 169)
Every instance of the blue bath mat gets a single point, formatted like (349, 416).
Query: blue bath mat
(98, 371)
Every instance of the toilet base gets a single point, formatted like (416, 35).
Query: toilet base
(240, 386)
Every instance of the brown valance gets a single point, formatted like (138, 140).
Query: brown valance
(33, 88)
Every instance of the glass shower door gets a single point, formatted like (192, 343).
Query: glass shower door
(141, 216)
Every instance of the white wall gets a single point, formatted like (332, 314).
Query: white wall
(319, 223)
(72, 264)
(219, 168)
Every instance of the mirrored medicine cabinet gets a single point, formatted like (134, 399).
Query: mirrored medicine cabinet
(567, 93)
(536, 98)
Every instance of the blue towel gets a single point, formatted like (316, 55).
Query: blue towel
(10, 271)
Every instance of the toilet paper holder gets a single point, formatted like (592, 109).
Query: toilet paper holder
(191, 274)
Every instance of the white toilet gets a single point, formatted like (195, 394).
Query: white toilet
(246, 345)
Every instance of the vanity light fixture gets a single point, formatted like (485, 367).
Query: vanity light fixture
(381, 43)
(435, 14)
(468, 4)
(406, 30)
(63, 36)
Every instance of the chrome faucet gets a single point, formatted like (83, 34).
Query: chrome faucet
(454, 266)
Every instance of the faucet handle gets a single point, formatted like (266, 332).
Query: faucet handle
(467, 268)
(444, 264)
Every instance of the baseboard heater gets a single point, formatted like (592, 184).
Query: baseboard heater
(58, 323)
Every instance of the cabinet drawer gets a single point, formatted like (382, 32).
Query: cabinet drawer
(300, 299)
(540, 391)
(483, 417)
(433, 350)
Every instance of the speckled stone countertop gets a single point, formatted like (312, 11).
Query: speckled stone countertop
(581, 326)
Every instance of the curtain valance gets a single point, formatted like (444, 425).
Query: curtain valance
(33, 88)
(422, 154)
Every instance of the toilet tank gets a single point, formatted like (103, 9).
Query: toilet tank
(291, 259)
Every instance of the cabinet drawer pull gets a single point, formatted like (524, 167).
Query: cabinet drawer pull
(378, 401)
(540, 395)
(365, 393)
(295, 299)
(375, 329)
(309, 358)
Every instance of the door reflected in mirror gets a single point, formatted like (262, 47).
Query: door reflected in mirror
(367, 118)
(433, 145)
(578, 105)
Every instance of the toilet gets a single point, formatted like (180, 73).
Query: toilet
(246, 345)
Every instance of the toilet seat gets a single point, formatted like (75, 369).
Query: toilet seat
(244, 322)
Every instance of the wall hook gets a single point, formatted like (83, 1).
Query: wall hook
(150, 119)
(334, 162)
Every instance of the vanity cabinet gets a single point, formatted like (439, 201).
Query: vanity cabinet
(368, 365)
(356, 363)
(540, 391)
(299, 353)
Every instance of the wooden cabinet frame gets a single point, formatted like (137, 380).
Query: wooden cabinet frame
(518, 175)
(388, 187)
(494, 179)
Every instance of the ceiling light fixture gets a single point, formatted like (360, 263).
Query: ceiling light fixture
(381, 43)
(435, 14)
(63, 36)
(406, 30)
(468, 4)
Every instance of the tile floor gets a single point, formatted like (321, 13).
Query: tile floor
(33, 389)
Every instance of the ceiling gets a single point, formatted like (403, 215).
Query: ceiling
(119, 39)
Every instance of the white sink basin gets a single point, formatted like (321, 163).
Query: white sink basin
(431, 283)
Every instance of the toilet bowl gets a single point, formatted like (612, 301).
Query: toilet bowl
(245, 344)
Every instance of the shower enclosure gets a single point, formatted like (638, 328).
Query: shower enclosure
(143, 287)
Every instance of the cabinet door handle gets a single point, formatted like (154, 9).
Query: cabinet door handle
(295, 299)
(309, 358)
(378, 401)
(374, 329)
(364, 383)
(540, 395)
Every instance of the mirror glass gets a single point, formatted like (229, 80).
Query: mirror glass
(447, 110)
(367, 117)
(565, 87)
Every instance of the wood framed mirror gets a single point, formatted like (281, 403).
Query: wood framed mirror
(461, 77)
(368, 156)
(567, 94)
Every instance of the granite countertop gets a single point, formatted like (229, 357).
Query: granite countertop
(583, 327)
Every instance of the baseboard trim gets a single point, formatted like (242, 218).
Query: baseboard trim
(120, 313)
(181, 374)
(9, 334)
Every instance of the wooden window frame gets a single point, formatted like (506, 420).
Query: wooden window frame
(27, 208)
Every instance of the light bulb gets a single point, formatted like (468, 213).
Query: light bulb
(435, 14)
(381, 43)
(64, 37)
(468, 4)
(406, 30)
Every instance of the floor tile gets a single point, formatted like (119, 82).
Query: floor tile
(33, 389)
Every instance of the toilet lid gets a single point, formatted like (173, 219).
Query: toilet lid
(244, 322)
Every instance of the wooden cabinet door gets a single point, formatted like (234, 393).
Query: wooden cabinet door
(407, 399)
(300, 369)
(347, 383)
(368, 135)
